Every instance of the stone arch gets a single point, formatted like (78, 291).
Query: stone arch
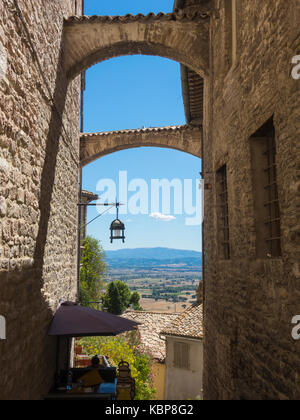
(89, 40)
(184, 138)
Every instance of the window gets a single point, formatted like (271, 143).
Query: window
(223, 214)
(181, 355)
(230, 33)
(265, 188)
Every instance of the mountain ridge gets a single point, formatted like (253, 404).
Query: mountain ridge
(158, 253)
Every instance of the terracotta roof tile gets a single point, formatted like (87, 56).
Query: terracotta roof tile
(134, 18)
(142, 130)
(89, 195)
(188, 324)
(152, 323)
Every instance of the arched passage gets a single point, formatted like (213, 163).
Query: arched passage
(184, 138)
(92, 39)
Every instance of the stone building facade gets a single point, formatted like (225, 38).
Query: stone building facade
(39, 160)
(86, 198)
(236, 58)
(252, 292)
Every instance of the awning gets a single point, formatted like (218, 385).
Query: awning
(73, 320)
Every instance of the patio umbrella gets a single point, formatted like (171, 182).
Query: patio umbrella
(73, 320)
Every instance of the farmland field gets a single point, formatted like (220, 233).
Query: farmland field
(164, 284)
(151, 305)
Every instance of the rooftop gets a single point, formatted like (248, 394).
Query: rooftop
(147, 130)
(189, 324)
(139, 17)
(89, 196)
(152, 323)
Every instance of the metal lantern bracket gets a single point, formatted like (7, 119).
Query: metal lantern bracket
(110, 205)
(117, 228)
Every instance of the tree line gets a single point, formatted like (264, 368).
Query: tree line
(117, 297)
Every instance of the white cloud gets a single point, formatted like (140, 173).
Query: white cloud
(162, 217)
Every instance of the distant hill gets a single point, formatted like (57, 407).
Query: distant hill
(152, 254)
(155, 261)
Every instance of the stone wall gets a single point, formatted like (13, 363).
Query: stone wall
(39, 155)
(90, 40)
(250, 302)
(184, 138)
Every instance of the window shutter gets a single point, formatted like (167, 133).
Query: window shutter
(181, 355)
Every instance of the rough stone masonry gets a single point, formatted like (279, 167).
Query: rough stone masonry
(39, 155)
(251, 125)
(251, 298)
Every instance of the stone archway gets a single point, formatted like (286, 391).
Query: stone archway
(92, 39)
(184, 138)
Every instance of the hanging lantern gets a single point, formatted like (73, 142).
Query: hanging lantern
(117, 228)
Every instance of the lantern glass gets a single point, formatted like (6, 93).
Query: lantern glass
(117, 229)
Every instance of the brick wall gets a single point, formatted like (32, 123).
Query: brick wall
(250, 302)
(38, 190)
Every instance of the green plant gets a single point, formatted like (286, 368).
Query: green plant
(118, 349)
(117, 297)
(135, 301)
(93, 269)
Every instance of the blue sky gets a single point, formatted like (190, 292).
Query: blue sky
(123, 7)
(132, 92)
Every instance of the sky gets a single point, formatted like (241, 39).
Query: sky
(123, 7)
(135, 92)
